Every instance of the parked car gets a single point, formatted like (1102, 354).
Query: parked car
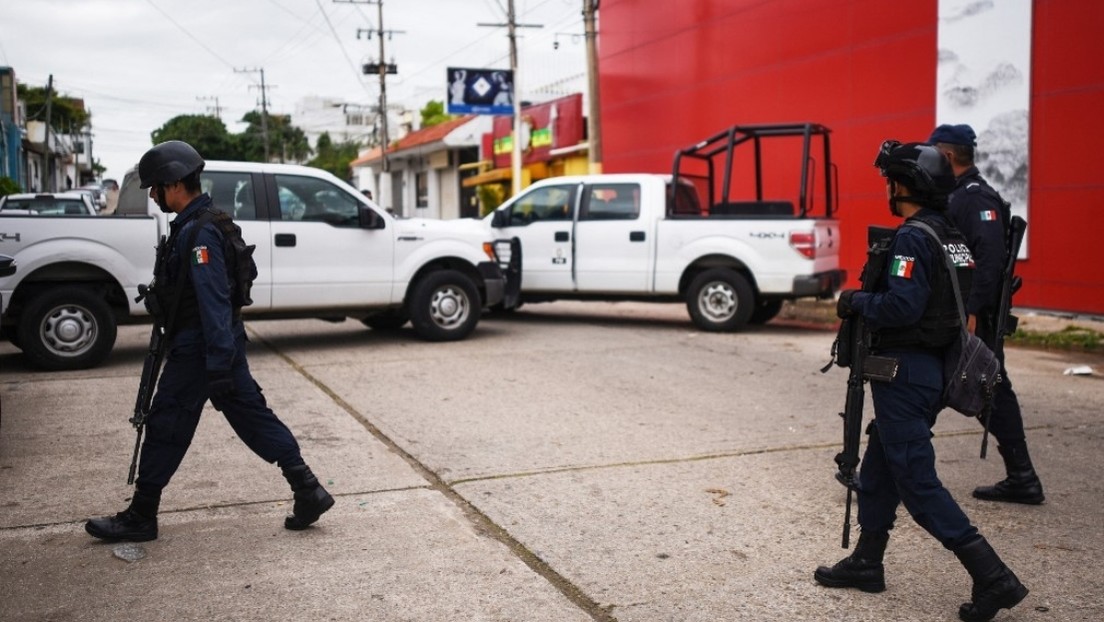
(98, 194)
(731, 234)
(322, 251)
(48, 204)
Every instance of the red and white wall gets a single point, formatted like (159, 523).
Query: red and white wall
(673, 73)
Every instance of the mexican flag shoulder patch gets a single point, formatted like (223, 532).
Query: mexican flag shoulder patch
(988, 215)
(199, 256)
(901, 266)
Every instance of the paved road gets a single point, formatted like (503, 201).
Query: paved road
(573, 462)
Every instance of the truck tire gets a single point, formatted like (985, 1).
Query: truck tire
(66, 328)
(444, 306)
(765, 311)
(387, 321)
(11, 333)
(720, 299)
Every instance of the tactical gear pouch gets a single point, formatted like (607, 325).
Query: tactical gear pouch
(880, 368)
(971, 372)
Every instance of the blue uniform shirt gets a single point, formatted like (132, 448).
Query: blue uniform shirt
(902, 293)
(207, 271)
(979, 215)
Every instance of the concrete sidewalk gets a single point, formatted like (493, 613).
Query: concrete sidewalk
(574, 462)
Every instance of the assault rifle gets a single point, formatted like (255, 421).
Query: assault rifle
(159, 337)
(1004, 323)
(852, 350)
(150, 370)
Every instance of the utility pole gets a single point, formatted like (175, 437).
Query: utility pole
(218, 110)
(48, 184)
(511, 33)
(594, 121)
(264, 106)
(382, 68)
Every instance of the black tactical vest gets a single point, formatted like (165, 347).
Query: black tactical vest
(939, 325)
(240, 267)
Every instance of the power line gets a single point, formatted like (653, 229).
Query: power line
(352, 65)
(190, 35)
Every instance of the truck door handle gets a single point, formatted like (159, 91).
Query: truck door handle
(563, 236)
(636, 236)
(285, 239)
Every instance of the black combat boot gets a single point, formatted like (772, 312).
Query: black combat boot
(1022, 484)
(862, 569)
(137, 523)
(995, 586)
(311, 499)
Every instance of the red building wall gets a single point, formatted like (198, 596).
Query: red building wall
(866, 69)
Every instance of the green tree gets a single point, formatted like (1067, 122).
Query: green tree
(334, 158)
(434, 113)
(285, 141)
(67, 114)
(9, 186)
(206, 133)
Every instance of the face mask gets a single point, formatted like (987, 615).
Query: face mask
(159, 199)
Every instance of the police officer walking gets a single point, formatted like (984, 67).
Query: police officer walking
(979, 212)
(206, 357)
(913, 317)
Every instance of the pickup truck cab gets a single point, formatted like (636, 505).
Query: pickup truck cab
(732, 258)
(322, 250)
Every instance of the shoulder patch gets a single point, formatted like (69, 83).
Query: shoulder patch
(902, 266)
(199, 256)
(988, 215)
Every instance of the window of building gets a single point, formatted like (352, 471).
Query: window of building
(421, 189)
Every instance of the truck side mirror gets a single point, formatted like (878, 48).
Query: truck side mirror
(500, 219)
(370, 218)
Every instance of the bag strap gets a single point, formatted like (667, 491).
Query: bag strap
(923, 226)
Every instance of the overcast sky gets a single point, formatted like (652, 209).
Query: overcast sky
(138, 63)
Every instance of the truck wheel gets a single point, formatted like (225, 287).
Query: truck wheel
(66, 328)
(720, 300)
(444, 306)
(764, 311)
(11, 333)
(386, 321)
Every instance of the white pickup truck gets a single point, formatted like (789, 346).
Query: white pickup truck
(711, 240)
(323, 250)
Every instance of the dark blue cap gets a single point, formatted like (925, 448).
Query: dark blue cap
(954, 135)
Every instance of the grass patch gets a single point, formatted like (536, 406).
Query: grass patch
(1069, 338)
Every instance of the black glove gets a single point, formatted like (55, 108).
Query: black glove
(843, 307)
(220, 382)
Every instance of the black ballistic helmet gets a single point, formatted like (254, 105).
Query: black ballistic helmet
(920, 167)
(168, 163)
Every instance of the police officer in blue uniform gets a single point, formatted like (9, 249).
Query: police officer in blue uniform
(979, 212)
(206, 357)
(912, 315)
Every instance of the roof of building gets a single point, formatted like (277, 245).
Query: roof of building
(424, 136)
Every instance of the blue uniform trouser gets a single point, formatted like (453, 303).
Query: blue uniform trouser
(899, 464)
(1005, 419)
(181, 394)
